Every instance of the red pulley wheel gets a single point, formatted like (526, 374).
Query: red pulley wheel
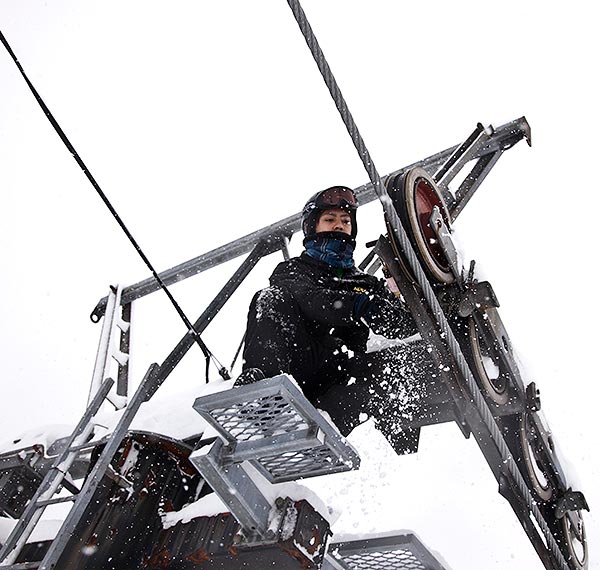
(415, 195)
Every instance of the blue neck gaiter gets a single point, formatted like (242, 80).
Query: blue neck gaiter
(333, 251)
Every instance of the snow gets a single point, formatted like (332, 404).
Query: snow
(207, 506)
(168, 413)
(211, 504)
(196, 150)
(45, 529)
(294, 491)
(41, 435)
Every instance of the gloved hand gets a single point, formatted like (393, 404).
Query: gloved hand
(382, 317)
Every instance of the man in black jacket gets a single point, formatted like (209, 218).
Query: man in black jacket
(313, 323)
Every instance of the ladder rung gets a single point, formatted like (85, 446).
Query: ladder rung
(87, 445)
(55, 501)
(63, 461)
(22, 566)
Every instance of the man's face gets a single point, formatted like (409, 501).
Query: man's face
(334, 220)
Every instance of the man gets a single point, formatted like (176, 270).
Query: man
(313, 323)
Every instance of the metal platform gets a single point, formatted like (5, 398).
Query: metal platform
(399, 552)
(271, 426)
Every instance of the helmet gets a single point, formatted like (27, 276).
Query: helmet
(334, 197)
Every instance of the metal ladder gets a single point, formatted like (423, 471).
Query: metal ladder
(115, 328)
(113, 347)
(44, 496)
(50, 485)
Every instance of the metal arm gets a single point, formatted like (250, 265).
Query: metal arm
(501, 139)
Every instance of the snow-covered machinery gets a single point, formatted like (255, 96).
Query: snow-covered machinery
(127, 484)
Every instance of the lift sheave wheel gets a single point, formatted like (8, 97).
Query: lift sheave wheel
(415, 195)
(488, 372)
(576, 541)
(529, 444)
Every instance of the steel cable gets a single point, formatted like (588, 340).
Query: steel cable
(403, 240)
(191, 330)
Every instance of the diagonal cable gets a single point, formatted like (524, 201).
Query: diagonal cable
(402, 238)
(207, 353)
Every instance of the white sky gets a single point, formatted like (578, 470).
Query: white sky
(204, 121)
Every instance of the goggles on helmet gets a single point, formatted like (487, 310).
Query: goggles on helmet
(336, 197)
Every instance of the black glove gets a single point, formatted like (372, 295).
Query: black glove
(382, 317)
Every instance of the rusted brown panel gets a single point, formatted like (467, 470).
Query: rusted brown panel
(213, 543)
(122, 528)
(123, 523)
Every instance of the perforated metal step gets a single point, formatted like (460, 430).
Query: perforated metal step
(399, 552)
(272, 425)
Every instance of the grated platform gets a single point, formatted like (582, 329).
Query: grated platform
(272, 425)
(399, 552)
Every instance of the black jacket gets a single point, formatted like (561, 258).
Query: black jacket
(326, 296)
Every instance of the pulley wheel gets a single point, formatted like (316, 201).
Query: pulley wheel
(489, 374)
(415, 195)
(576, 541)
(535, 471)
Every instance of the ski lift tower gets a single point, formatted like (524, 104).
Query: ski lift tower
(121, 483)
(500, 410)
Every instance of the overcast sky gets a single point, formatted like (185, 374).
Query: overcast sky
(204, 121)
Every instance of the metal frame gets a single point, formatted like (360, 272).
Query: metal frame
(261, 249)
(52, 481)
(113, 345)
(275, 237)
(466, 298)
(491, 144)
(99, 469)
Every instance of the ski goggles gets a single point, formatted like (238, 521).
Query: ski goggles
(336, 197)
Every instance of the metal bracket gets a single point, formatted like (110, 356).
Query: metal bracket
(442, 233)
(273, 425)
(477, 296)
(570, 501)
(532, 398)
(233, 484)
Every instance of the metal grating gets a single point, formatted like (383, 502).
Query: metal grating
(272, 425)
(396, 552)
(294, 464)
(400, 559)
(260, 418)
